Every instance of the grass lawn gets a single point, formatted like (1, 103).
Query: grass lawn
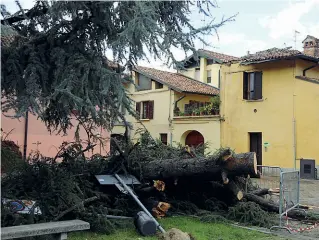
(201, 231)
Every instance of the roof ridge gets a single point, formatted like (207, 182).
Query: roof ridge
(201, 49)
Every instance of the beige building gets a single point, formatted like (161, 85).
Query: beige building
(206, 66)
(173, 108)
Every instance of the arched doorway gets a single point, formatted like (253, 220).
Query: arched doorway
(194, 139)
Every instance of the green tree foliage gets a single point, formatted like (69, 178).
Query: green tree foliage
(58, 62)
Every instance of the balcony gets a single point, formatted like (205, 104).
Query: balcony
(198, 109)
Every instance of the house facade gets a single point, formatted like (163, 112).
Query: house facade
(269, 106)
(205, 66)
(173, 108)
(32, 135)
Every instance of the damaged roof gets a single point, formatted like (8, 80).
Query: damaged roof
(177, 82)
(275, 54)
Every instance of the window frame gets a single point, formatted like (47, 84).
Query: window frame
(252, 91)
(143, 113)
(197, 70)
(138, 81)
(210, 77)
(159, 85)
(165, 135)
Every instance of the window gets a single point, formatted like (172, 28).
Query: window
(252, 87)
(197, 73)
(158, 85)
(209, 76)
(163, 137)
(143, 83)
(210, 61)
(145, 110)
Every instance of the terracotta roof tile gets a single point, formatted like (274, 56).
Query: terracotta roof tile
(220, 56)
(178, 81)
(273, 54)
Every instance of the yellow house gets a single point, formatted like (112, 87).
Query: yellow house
(269, 105)
(172, 108)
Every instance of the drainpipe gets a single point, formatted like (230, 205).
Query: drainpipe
(308, 68)
(294, 142)
(175, 104)
(25, 135)
(169, 118)
(219, 76)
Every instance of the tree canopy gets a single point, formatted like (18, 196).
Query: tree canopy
(57, 61)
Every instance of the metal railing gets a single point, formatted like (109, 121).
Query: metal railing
(289, 195)
(289, 192)
(269, 177)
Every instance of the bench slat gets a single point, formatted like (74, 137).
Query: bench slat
(43, 229)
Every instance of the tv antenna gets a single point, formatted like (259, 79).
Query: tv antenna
(295, 38)
(204, 21)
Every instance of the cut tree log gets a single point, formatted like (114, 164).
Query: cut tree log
(235, 190)
(217, 168)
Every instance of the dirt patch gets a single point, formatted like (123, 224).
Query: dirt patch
(176, 234)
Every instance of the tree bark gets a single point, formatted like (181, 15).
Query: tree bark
(213, 169)
(235, 190)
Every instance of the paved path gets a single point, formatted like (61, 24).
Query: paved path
(309, 192)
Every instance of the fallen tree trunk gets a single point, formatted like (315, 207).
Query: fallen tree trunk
(272, 207)
(218, 168)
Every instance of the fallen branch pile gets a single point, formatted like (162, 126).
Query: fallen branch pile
(174, 181)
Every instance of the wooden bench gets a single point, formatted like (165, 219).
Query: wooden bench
(60, 229)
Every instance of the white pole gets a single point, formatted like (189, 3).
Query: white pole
(128, 189)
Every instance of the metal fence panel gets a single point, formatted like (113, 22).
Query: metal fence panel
(269, 176)
(289, 192)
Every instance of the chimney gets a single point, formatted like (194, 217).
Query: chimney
(248, 52)
(311, 46)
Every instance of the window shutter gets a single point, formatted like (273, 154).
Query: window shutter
(258, 86)
(245, 86)
(138, 108)
(150, 109)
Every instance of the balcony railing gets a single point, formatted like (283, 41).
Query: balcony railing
(197, 112)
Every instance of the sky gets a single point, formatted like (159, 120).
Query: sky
(259, 25)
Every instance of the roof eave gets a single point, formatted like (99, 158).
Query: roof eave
(309, 58)
(307, 79)
(312, 59)
(158, 80)
(198, 93)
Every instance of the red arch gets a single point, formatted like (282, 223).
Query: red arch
(194, 139)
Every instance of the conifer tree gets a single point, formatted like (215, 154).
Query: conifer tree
(57, 62)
